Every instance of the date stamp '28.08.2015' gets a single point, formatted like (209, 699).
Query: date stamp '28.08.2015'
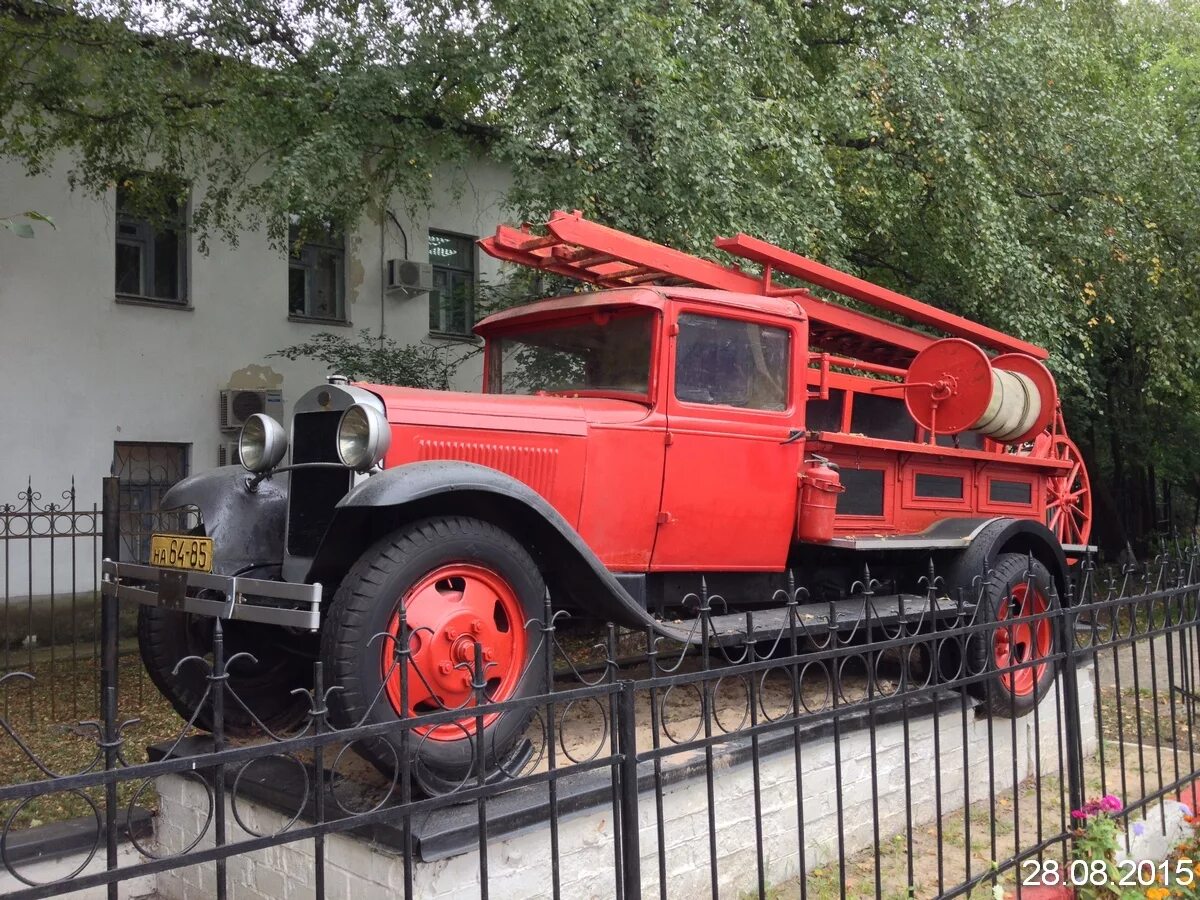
(1101, 873)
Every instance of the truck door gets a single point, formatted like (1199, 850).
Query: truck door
(734, 399)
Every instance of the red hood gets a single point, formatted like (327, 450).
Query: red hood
(503, 412)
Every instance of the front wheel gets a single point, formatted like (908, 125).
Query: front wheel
(460, 582)
(259, 686)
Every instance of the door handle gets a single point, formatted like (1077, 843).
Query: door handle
(794, 435)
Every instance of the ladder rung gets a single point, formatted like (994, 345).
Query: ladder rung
(516, 239)
(580, 256)
(632, 272)
(648, 277)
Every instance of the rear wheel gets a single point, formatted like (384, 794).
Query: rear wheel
(1016, 655)
(460, 581)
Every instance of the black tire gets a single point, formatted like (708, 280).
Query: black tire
(390, 572)
(167, 636)
(1013, 691)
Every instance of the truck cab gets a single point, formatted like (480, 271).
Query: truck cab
(694, 401)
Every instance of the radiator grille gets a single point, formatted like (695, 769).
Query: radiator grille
(314, 492)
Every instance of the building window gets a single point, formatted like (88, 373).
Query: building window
(452, 300)
(316, 272)
(151, 252)
(145, 471)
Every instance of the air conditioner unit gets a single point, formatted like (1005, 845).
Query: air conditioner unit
(228, 455)
(239, 404)
(408, 276)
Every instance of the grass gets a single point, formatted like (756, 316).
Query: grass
(52, 728)
(59, 621)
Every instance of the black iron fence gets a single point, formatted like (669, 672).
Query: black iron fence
(51, 545)
(50, 621)
(873, 751)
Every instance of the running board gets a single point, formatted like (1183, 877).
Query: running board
(816, 619)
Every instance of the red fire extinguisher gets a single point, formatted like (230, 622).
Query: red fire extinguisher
(820, 485)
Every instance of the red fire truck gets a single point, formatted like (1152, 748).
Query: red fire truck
(686, 419)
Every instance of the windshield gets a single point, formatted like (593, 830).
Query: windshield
(605, 353)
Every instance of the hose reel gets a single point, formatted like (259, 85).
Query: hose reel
(952, 386)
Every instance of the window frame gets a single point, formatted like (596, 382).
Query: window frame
(306, 259)
(885, 516)
(468, 334)
(1033, 508)
(912, 499)
(892, 397)
(145, 241)
(727, 411)
(493, 365)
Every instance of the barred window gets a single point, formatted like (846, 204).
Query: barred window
(145, 472)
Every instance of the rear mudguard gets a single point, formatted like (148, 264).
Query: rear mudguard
(1009, 536)
(391, 498)
(246, 526)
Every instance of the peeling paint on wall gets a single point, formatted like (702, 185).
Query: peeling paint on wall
(254, 377)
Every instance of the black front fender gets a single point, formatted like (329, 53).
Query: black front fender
(246, 527)
(394, 497)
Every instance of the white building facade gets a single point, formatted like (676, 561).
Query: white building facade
(119, 336)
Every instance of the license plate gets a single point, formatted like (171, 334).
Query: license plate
(177, 551)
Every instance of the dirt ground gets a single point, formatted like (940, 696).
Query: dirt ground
(55, 716)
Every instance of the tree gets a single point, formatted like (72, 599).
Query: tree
(380, 360)
(1024, 163)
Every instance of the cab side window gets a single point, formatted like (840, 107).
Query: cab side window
(726, 362)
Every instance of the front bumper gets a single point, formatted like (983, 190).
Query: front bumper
(221, 596)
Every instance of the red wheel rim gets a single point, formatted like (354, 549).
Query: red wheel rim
(449, 611)
(1069, 495)
(1022, 642)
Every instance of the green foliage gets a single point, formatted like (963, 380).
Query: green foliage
(1097, 844)
(378, 360)
(1030, 164)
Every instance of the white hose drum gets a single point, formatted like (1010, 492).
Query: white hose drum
(952, 386)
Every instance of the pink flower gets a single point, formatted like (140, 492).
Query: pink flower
(1107, 804)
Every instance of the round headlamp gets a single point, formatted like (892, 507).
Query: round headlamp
(363, 437)
(262, 443)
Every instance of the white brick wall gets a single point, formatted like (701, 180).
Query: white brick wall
(520, 864)
(48, 870)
